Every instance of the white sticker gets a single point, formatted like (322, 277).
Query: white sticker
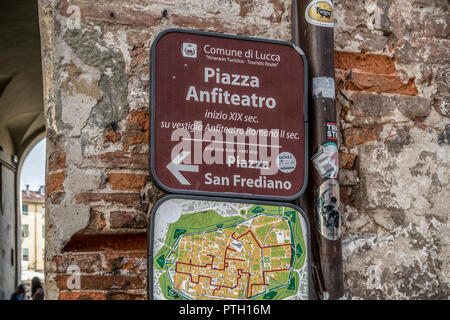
(320, 13)
(286, 162)
(323, 87)
(326, 161)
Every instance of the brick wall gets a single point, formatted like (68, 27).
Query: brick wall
(392, 62)
(392, 90)
(97, 84)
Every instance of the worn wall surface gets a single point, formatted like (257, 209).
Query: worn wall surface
(392, 89)
(392, 67)
(7, 232)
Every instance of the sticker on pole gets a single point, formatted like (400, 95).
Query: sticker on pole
(326, 209)
(326, 160)
(320, 13)
(228, 249)
(228, 116)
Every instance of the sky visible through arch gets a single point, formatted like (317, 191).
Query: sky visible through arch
(33, 170)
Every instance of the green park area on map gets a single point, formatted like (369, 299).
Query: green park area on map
(259, 253)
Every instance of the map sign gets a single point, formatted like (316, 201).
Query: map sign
(229, 116)
(204, 249)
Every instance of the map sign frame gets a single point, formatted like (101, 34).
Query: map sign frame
(236, 176)
(240, 250)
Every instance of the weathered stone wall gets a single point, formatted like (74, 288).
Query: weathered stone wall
(392, 68)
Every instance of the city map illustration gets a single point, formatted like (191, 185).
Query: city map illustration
(225, 250)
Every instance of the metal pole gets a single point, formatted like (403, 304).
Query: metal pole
(312, 31)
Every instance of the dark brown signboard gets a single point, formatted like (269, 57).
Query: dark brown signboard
(228, 116)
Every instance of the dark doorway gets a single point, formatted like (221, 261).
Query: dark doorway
(21, 123)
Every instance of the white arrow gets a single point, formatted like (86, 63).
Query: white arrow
(175, 167)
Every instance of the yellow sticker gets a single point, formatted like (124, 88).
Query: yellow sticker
(320, 13)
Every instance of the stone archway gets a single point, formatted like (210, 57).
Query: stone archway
(21, 123)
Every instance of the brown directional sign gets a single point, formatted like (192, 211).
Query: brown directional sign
(228, 116)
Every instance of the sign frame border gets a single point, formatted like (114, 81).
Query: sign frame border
(151, 220)
(152, 139)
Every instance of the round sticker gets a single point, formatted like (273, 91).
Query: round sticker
(286, 162)
(320, 13)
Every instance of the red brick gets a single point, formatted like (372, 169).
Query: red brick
(130, 199)
(138, 41)
(81, 295)
(213, 23)
(114, 295)
(372, 63)
(346, 160)
(101, 282)
(87, 262)
(355, 136)
(112, 136)
(128, 242)
(278, 10)
(120, 160)
(128, 220)
(138, 119)
(54, 182)
(133, 137)
(140, 58)
(127, 181)
(373, 109)
(245, 7)
(56, 161)
(113, 13)
(381, 83)
(136, 262)
(136, 129)
(97, 220)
